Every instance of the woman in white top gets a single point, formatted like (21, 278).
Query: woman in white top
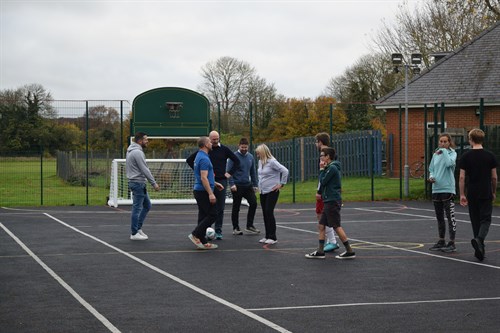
(272, 177)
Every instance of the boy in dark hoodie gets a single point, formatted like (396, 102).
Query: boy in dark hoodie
(330, 189)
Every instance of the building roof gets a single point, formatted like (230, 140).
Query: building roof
(463, 77)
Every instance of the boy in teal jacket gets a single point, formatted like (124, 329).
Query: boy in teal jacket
(330, 189)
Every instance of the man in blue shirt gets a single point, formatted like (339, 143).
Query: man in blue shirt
(218, 156)
(203, 192)
(243, 184)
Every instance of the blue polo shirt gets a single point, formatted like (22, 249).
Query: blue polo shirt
(202, 163)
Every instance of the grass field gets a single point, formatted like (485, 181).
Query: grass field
(25, 182)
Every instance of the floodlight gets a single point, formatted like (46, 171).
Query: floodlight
(397, 58)
(416, 58)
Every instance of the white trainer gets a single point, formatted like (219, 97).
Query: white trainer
(263, 240)
(142, 233)
(271, 241)
(138, 237)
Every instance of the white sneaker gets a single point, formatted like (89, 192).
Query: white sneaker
(142, 233)
(263, 240)
(138, 236)
(271, 241)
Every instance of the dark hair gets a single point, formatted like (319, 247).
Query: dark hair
(323, 137)
(330, 152)
(138, 136)
(202, 141)
(243, 141)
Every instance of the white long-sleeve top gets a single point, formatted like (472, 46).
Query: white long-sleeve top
(271, 174)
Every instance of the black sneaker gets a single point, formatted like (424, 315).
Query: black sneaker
(237, 231)
(315, 255)
(346, 255)
(449, 248)
(479, 248)
(438, 246)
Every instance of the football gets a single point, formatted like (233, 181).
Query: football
(210, 233)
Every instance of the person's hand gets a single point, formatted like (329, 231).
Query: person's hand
(431, 180)
(318, 196)
(277, 187)
(227, 175)
(463, 200)
(156, 187)
(233, 188)
(212, 199)
(219, 186)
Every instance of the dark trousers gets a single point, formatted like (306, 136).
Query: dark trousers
(220, 195)
(268, 203)
(480, 216)
(206, 215)
(444, 204)
(248, 193)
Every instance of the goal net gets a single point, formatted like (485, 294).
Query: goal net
(175, 177)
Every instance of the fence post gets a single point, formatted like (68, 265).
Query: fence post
(293, 164)
(87, 152)
(400, 157)
(41, 175)
(481, 114)
(121, 129)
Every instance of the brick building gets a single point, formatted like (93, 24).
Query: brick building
(457, 81)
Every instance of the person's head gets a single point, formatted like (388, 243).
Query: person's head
(322, 140)
(204, 143)
(445, 141)
(328, 154)
(243, 146)
(476, 136)
(141, 139)
(263, 153)
(214, 138)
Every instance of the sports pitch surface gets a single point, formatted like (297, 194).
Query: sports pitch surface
(74, 269)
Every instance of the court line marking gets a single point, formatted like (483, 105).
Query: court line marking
(414, 215)
(376, 304)
(403, 249)
(66, 286)
(205, 293)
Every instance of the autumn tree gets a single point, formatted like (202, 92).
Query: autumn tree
(225, 81)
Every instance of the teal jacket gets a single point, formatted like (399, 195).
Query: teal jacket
(330, 182)
(442, 169)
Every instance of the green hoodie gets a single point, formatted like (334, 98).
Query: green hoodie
(330, 184)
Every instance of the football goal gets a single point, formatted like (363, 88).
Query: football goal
(175, 177)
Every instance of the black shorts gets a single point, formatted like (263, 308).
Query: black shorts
(331, 214)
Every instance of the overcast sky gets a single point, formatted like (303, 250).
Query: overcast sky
(118, 49)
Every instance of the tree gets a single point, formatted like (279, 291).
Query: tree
(359, 86)
(25, 114)
(225, 81)
(436, 26)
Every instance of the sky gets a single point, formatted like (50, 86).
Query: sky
(115, 50)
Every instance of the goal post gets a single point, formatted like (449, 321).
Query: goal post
(175, 177)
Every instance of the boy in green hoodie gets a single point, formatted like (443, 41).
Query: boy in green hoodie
(330, 189)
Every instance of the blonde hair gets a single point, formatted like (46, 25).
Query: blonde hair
(264, 153)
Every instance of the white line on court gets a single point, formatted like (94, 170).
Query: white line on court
(402, 249)
(178, 280)
(56, 277)
(376, 304)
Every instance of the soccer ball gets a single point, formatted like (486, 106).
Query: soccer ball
(210, 233)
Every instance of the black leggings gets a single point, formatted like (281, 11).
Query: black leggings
(444, 204)
(268, 202)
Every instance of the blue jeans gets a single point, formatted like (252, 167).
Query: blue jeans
(141, 204)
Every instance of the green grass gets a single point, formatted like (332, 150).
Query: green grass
(21, 185)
